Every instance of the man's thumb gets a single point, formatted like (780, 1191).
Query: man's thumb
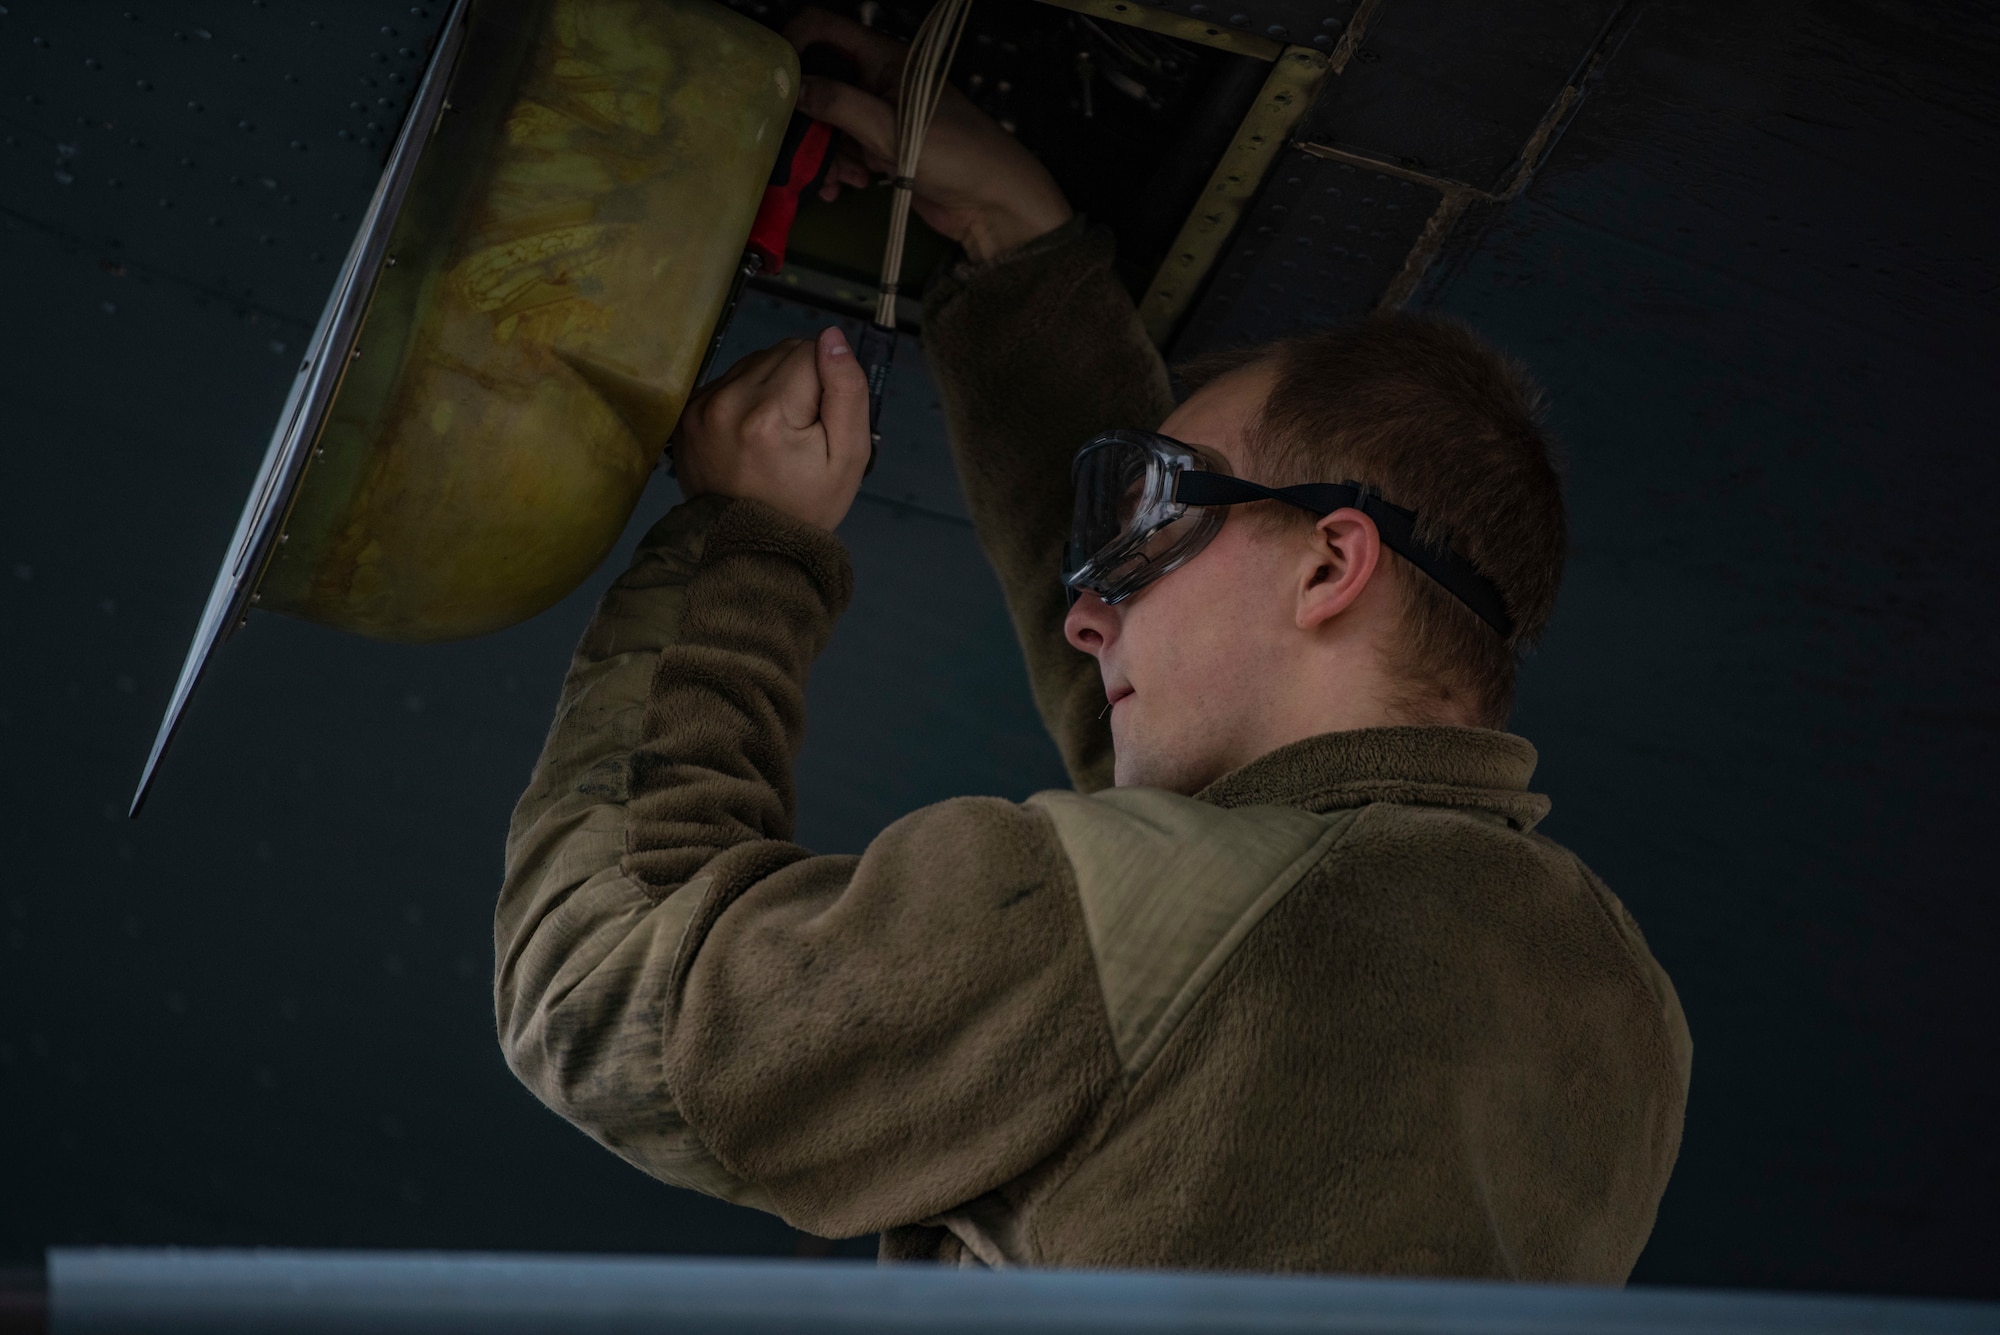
(843, 398)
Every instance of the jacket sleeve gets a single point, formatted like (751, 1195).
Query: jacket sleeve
(579, 945)
(1034, 354)
(856, 1043)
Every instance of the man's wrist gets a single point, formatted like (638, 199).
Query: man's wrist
(992, 235)
(746, 525)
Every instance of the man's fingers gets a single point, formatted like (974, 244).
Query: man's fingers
(865, 118)
(848, 168)
(843, 400)
(880, 58)
(845, 169)
(792, 391)
(726, 399)
(846, 172)
(790, 429)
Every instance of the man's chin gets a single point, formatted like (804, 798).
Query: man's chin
(1136, 766)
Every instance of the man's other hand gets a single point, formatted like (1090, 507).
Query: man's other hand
(787, 426)
(975, 183)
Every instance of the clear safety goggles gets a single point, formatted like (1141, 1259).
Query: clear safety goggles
(1146, 505)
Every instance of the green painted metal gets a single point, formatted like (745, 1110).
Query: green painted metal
(550, 287)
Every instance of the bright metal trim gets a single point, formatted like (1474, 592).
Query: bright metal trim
(260, 528)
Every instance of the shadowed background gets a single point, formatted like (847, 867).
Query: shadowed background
(1754, 276)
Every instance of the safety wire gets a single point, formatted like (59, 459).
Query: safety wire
(922, 88)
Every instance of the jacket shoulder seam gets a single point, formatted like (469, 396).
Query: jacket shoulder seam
(1205, 973)
(1169, 888)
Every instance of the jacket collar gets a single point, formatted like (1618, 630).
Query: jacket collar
(1434, 767)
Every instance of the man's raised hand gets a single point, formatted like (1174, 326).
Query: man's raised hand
(787, 426)
(975, 184)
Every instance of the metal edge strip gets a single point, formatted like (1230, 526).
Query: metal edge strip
(313, 389)
(1288, 90)
(111, 1291)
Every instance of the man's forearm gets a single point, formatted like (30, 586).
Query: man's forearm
(726, 714)
(1035, 354)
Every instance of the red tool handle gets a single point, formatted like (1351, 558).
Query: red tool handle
(801, 163)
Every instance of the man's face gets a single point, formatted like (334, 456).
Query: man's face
(1192, 662)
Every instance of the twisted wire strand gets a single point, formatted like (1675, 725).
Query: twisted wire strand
(923, 85)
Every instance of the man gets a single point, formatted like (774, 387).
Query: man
(1302, 992)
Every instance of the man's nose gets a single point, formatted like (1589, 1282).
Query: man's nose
(1090, 625)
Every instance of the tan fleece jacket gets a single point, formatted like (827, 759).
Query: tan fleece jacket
(1343, 1010)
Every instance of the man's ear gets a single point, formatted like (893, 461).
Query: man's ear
(1345, 551)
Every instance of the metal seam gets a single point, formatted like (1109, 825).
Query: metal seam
(1265, 132)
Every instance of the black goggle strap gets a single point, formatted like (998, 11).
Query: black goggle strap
(1396, 525)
